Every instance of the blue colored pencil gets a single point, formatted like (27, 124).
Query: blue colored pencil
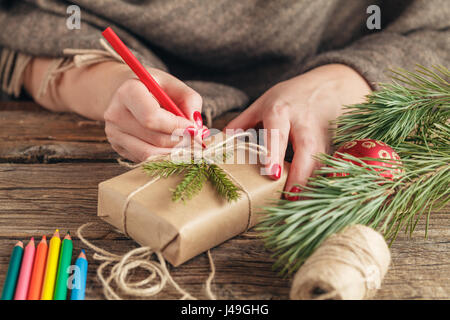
(79, 284)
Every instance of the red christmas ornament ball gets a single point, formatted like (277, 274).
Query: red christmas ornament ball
(369, 148)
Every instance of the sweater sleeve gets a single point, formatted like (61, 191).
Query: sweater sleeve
(29, 31)
(40, 29)
(419, 36)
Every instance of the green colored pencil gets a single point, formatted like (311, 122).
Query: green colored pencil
(13, 272)
(65, 259)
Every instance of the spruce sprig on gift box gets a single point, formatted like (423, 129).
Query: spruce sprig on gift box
(165, 168)
(192, 182)
(224, 186)
(196, 174)
(411, 115)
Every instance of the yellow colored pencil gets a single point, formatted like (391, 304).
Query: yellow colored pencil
(51, 268)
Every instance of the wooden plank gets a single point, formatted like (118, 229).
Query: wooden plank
(41, 151)
(420, 267)
(14, 105)
(31, 134)
(30, 122)
(35, 199)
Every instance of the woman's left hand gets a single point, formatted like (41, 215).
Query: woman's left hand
(301, 109)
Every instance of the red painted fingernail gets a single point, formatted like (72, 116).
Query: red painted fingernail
(205, 133)
(275, 171)
(294, 189)
(198, 119)
(191, 130)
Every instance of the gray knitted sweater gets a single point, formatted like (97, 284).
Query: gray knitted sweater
(232, 51)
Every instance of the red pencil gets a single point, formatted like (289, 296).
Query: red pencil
(142, 73)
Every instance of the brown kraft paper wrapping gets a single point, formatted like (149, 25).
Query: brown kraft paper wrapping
(183, 230)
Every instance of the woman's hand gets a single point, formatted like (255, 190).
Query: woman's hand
(137, 127)
(135, 124)
(301, 109)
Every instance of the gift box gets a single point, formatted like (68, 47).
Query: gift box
(182, 230)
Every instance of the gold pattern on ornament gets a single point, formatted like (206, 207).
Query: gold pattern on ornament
(384, 154)
(368, 144)
(350, 144)
(395, 155)
(381, 143)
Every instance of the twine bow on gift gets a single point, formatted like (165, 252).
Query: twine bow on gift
(208, 155)
(123, 265)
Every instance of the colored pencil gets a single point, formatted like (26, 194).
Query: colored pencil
(79, 285)
(142, 73)
(51, 267)
(65, 260)
(25, 271)
(13, 271)
(37, 275)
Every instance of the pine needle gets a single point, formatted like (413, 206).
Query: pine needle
(165, 168)
(195, 175)
(411, 115)
(191, 184)
(409, 105)
(224, 186)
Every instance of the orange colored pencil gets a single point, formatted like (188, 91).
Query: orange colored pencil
(37, 275)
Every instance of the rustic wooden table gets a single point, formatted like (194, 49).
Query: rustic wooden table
(51, 164)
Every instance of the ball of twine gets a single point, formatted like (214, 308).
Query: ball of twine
(349, 265)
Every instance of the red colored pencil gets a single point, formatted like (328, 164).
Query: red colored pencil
(142, 73)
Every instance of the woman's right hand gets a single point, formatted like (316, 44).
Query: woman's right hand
(138, 127)
(135, 124)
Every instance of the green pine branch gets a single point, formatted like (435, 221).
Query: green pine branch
(224, 186)
(413, 118)
(165, 168)
(195, 176)
(191, 184)
(411, 104)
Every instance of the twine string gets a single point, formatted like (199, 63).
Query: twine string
(121, 266)
(207, 155)
(352, 249)
(76, 58)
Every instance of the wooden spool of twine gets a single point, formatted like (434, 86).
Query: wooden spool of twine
(349, 265)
